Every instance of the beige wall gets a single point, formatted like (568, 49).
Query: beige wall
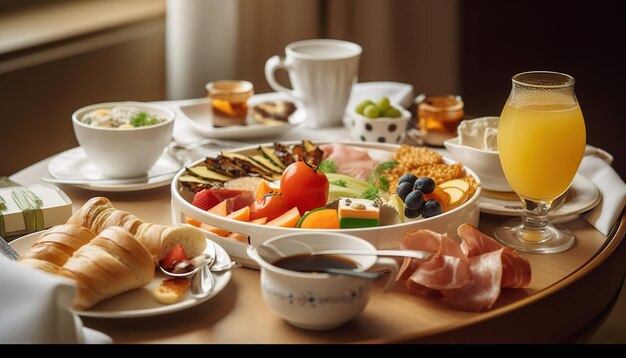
(37, 101)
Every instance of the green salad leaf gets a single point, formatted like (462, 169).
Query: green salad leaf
(143, 119)
(327, 166)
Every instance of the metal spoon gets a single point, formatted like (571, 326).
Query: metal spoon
(208, 261)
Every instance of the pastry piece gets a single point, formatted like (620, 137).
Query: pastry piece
(93, 211)
(160, 239)
(98, 213)
(357, 213)
(273, 112)
(55, 247)
(112, 263)
(171, 290)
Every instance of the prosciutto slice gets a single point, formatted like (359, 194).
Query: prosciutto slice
(351, 161)
(469, 274)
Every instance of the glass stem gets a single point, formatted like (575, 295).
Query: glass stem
(534, 221)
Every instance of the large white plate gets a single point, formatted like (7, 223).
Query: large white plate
(582, 196)
(199, 116)
(140, 302)
(382, 237)
(73, 164)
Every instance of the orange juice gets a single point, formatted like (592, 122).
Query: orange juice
(541, 145)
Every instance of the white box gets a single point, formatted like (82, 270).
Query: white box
(56, 208)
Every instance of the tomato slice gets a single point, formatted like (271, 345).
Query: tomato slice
(177, 254)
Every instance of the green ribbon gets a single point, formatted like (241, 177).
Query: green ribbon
(30, 204)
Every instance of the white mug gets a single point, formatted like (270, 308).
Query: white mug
(317, 300)
(322, 73)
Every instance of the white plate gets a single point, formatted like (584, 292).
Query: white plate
(200, 117)
(582, 196)
(140, 302)
(73, 164)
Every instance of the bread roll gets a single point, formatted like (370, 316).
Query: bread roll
(112, 263)
(160, 239)
(55, 246)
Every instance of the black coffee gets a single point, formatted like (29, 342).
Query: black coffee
(315, 263)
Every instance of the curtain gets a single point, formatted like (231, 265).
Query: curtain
(408, 41)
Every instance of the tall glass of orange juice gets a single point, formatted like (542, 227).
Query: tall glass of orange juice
(541, 140)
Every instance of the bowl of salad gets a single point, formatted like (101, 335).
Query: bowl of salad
(123, 139)
(249, 195)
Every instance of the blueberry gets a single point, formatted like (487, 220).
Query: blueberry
(425, 185)
(431, 208)
(414, 200)
(409, 178)
(411, 213)
(404, 189)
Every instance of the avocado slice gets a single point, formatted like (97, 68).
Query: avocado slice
(207, 173)
(267, 163)
(269, 154)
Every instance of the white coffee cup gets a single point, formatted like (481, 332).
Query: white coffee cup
(322, 73)
(317, 300)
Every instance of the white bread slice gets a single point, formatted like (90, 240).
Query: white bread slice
(160, 239)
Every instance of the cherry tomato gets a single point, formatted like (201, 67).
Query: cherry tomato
(269, 206)
(304, 186)
(177, 254)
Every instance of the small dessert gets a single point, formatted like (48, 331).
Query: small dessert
(358, 213)
(273, 112)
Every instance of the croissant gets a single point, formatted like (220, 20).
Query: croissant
(112, 263)
(160, 239)
(98, 213)
(55, 246)
(87, 215)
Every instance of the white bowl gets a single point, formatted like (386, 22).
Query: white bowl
(486, 163)
(381, 130)
(121, 152)
(382, 237)
(317, 300)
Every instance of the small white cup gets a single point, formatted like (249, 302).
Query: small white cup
(322, 73)
(124, 153)
(317, 300)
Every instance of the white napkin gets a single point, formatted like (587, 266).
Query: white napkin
(596, 166)
(34, 308)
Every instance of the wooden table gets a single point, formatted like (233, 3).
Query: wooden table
(569, 295)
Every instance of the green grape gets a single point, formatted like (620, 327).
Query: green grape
(371, 111)
(392, 113)
(383, 104)
(361, 106)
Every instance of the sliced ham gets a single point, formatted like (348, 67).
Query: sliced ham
(515, 268)
(352, 161)
(469, 274)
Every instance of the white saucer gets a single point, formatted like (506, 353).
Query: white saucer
(73, 164)
(199, 116)
(582, 196)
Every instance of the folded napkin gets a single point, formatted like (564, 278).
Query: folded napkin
(596, 166)
(34, 308)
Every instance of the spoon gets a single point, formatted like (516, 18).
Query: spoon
(208, 261)
(270, 251)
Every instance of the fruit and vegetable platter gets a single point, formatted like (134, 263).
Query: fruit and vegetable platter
(371, 190)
